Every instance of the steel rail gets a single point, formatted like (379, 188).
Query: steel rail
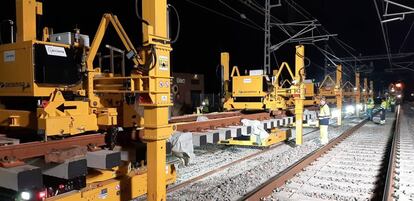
(279, 180)
(389, 180)
(195, 179)
(36, 149)
(218, 121)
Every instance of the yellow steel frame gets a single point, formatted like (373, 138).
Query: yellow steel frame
(357, 93)
(348, 90)
(117, 185)
(93, 84)
(156, 128)
(339, 92)
(276, 99)
(299, 92)
(225, 65)
(275, 136)
(365, 92)
(270, 101)
(327, 89)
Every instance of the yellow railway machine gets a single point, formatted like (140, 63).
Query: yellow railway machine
(258, 91)
(52, 90)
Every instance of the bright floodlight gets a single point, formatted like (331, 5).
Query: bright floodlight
(336, 113)
(350, 109)
(25, 195)
(398, 85)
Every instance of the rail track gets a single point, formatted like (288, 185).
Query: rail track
(402, 187)
(350, 167)
(234, 163)
(189, 123)
(188, 184)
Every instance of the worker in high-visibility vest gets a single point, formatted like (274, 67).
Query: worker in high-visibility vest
(392, 103)
(370, 108)
(383, 110)
(388, 101)
(324, 116)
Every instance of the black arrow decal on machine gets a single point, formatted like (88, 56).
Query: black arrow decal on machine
(62, 107)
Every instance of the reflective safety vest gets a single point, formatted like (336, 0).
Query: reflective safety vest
(393, 101)
(370, 104)
(384, 104)
(388, 102)
(324, 115)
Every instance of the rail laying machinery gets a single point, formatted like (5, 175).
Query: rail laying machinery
(356, 96)
(71, 130)
(257, 91)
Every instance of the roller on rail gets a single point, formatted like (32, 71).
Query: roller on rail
(74, 130)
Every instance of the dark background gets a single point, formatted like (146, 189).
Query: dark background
(204, 34)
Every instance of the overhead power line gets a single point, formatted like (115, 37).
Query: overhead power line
(222, 15)
(406, 37)
(242, 15)
(387, 47)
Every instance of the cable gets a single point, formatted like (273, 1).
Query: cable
(406, 37)
(274, 56)
(340, 60)
(139, 16)
(178, 24)
(152, 58)
(221, 14)
(337, 40)
(383, 34)
(241, 14)
(258, 9)
(297, 10)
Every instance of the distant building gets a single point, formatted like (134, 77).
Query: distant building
(186, 90)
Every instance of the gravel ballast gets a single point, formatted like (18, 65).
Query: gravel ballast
(349, 171)
(233, 182)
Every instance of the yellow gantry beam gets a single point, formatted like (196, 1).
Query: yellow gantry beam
(299, 98)
(365, 92)
(357, 93)
(26, 19)
(338, 90)
(225, 65)
(156, 127)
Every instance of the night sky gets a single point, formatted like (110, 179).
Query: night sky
(204, 34)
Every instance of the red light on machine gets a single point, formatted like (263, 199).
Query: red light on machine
(398, 85)
(42, 195)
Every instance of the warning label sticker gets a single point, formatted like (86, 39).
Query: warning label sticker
(55, 51)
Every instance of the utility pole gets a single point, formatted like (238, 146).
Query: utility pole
(267, 42)
(326, 62)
